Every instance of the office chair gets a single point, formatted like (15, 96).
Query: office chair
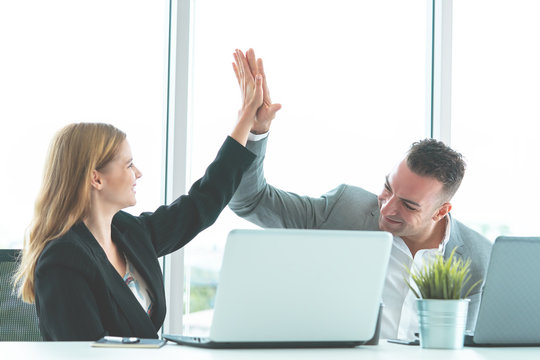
(18, 320)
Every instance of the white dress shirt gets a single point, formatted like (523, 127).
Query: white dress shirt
(257, 137)
(400, 319)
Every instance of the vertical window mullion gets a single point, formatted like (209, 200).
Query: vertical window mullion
(178, 147)
(441, 68)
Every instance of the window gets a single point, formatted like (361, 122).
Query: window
(351, 78)
(75, 61)
(495, 114)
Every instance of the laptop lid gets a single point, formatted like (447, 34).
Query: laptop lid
(509, 312)
(291, 285)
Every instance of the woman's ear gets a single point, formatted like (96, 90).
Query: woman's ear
(442, 211)
(96, 180)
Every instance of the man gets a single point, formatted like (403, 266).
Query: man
(414, 206)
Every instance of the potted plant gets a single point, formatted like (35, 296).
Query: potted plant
(442, 310)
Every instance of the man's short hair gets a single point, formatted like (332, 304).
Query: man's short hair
(430, 157)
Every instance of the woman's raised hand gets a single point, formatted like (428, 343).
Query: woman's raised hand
(247, 68)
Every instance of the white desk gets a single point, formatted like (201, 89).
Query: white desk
(383, 351)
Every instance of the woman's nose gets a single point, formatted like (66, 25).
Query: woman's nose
(138, 173)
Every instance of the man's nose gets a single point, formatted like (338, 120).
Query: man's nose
(388, 206)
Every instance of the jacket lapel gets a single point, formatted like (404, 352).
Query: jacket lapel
(145, 262)
(455, 241)
(126, 302)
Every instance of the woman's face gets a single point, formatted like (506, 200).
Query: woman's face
(119, 178)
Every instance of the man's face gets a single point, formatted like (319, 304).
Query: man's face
(410, 204)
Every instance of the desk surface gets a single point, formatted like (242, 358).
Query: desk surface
(383, 351)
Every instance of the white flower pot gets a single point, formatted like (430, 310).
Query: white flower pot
(442, 322)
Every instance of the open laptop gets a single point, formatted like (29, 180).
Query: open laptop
(509, 312)
(297, 288)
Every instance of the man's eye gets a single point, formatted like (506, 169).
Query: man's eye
(408, 206)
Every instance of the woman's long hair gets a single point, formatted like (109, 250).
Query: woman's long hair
(64, 197)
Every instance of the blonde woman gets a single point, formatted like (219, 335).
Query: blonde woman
(91, 269)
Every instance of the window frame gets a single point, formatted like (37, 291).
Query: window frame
(177, 152)
(179, 106)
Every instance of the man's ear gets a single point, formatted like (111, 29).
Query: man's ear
(442, 211)
(96, 181)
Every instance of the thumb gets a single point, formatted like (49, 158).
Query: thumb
(275, 108)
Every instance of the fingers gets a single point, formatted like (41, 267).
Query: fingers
(266, 91)
(258, 96)
(243, 66)
(243, 74)
(260, 67)
(246, 78)
(235, 68)
(251, 85)
(239, 63)
(252, 61)
(258, 82)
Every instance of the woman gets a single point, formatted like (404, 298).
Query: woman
(91, 269)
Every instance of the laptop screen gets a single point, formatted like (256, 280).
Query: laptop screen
(300, 285)
(509, 312)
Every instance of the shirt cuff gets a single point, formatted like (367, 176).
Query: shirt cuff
(257, 137)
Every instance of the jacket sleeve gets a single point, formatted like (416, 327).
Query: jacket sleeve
(65, 302)
(172, 226)
(270, 207)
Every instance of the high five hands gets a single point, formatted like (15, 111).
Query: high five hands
(250, 74)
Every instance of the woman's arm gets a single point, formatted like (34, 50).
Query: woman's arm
(172, 226)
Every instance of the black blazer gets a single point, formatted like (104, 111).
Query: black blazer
(79, 294)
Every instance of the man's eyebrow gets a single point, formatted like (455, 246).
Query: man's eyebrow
(402, 199)
(130, 160)
(387, 183)
(410, 202)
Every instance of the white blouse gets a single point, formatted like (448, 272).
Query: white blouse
(138, 287)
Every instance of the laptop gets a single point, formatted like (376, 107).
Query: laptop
(509, 312)
(288, 288)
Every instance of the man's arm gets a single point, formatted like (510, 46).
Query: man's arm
(257, 201)
(269, 207)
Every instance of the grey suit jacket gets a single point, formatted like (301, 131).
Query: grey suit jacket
(345, 208)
